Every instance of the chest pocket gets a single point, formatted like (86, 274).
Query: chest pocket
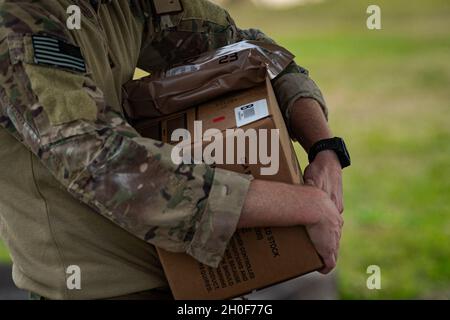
(200, 27)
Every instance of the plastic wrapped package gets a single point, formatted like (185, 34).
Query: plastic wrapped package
(231, 68)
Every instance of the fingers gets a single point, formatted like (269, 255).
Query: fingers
(339, 195)
(338, 244)
(328, 181)
(309, 177)
(341, 204)
(331, 256)
(336, 193)
(338, 201)
(330, 264)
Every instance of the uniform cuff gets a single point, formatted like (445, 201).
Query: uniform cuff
(293, 86)
(221, 216)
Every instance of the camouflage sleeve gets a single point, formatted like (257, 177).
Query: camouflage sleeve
(204, 26)
(61, 116)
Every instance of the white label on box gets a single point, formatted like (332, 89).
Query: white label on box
(251, 112)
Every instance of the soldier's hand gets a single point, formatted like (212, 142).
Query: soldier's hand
(326, 233)
(275, 204)
(325, 173)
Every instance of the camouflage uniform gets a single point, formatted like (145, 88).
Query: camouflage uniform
(68, 153)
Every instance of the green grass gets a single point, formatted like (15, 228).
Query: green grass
(388, 94)
(4, 256)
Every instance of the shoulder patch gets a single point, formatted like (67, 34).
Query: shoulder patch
(167, 7)
(54, 52)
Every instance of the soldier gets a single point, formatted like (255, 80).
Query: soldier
(81, 188)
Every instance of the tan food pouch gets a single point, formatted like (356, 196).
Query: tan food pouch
(231, 68)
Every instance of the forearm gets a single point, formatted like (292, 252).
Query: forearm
(308, 126)
(308, 123)
(280, 205)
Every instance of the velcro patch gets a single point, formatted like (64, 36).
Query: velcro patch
(57, 53)
(167, 6)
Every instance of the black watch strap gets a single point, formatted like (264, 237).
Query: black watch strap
(337, 145)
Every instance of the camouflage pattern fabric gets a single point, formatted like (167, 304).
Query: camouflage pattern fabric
(65, 119)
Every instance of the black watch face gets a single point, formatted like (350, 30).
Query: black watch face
(337, 145)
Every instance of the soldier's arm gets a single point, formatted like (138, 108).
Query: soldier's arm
(175, 37)
(203, 26)
(61, 116)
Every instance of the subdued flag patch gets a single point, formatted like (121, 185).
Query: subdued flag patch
(57, 53)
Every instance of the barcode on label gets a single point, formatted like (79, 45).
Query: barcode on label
(181, 70)
(247, 113)
(251, 112)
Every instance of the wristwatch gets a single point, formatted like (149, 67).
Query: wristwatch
(337, 145)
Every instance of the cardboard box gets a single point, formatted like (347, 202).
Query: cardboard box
(255, 258)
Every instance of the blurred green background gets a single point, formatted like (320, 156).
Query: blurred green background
(389, 95)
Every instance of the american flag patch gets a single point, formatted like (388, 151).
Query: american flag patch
(57, 53)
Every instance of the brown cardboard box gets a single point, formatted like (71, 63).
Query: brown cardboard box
(255, 258)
